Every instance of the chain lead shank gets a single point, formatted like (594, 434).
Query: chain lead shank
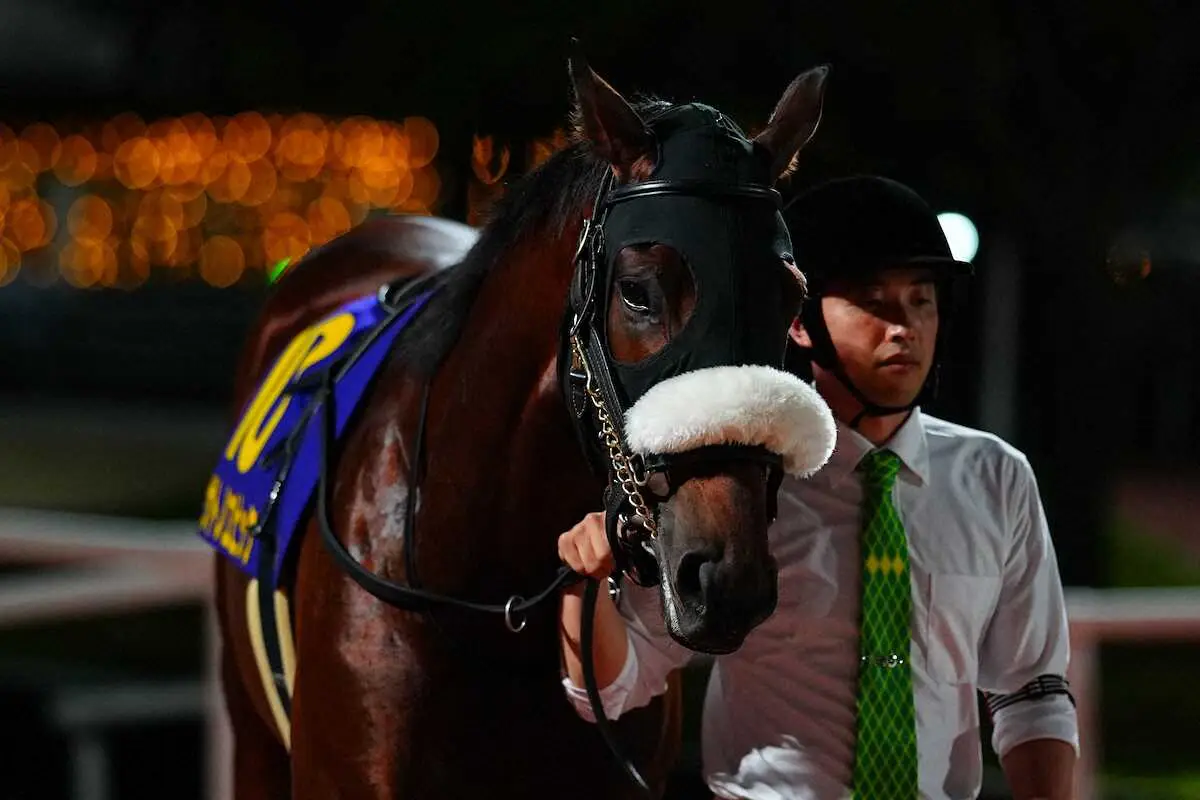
(627, 476)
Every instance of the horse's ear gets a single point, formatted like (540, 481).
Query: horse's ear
(794, 120)
(604, 118)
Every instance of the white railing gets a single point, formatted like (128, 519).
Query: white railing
(1108, 615)
(111, 565)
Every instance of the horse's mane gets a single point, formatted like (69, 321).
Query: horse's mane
(540, 203)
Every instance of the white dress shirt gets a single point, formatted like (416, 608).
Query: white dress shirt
(988, 614)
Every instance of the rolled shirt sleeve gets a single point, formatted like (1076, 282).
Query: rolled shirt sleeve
(651, 658)
(1026, 647)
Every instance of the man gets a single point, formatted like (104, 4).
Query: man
(916, 567)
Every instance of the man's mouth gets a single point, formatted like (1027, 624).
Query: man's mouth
(900, 361)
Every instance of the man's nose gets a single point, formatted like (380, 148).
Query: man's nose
(900, 332)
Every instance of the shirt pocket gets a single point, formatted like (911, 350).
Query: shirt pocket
(958, 608)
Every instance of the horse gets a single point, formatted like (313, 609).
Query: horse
(612, 335)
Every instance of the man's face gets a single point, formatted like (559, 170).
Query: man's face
(884, 330)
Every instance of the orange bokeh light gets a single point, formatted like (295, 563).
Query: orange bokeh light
(181, 157)
(212, 168)
(327, 218)
(45, 142)
(30, 223)
(85, 264)
(286, 236)
(90, 219)
(380, 182)
(247, 136)
(222, 261)
(202, 133)
(159, 216)
(395, 144)
(194, 207)
(18, 164)
(77, 163)
(423, 141)
(232, 183)
(136, 163)
(303, 142)
(357, 140)
(263, 182)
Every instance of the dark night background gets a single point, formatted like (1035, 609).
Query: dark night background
(1065, 131)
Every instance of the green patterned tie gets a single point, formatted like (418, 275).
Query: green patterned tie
(885, 757)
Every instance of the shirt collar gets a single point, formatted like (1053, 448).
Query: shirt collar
(908, 442)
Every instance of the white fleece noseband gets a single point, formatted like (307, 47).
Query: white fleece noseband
(749, 405)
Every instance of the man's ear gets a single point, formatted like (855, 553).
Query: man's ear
(798, 334)
(798, 351)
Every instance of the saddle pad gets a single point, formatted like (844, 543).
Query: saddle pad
(266, 474)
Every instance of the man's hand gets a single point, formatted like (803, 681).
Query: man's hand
(585, 548)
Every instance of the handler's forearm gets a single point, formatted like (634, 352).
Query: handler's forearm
(1041, 769)
(611, 643)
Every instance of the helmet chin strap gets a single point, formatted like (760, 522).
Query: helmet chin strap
(869, 408)
(823, 353)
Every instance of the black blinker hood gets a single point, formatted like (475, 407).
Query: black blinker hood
(708, 199)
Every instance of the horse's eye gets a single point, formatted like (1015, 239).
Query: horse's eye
(635, 296)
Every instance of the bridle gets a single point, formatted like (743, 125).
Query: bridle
(592, 396)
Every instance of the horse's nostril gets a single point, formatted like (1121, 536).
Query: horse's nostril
(696, 572)
(687, 577)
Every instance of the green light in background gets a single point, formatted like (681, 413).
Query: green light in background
(278, 269)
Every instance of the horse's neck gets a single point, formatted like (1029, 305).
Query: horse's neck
(497, 415)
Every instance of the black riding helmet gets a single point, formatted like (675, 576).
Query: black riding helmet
(849, 228)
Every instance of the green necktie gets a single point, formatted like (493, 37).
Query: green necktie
(885, 757)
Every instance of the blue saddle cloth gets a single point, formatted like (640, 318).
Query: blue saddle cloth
(265, 477)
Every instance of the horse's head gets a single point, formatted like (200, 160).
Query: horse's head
(683, 294)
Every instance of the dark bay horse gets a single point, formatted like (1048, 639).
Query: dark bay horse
(649, 254)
